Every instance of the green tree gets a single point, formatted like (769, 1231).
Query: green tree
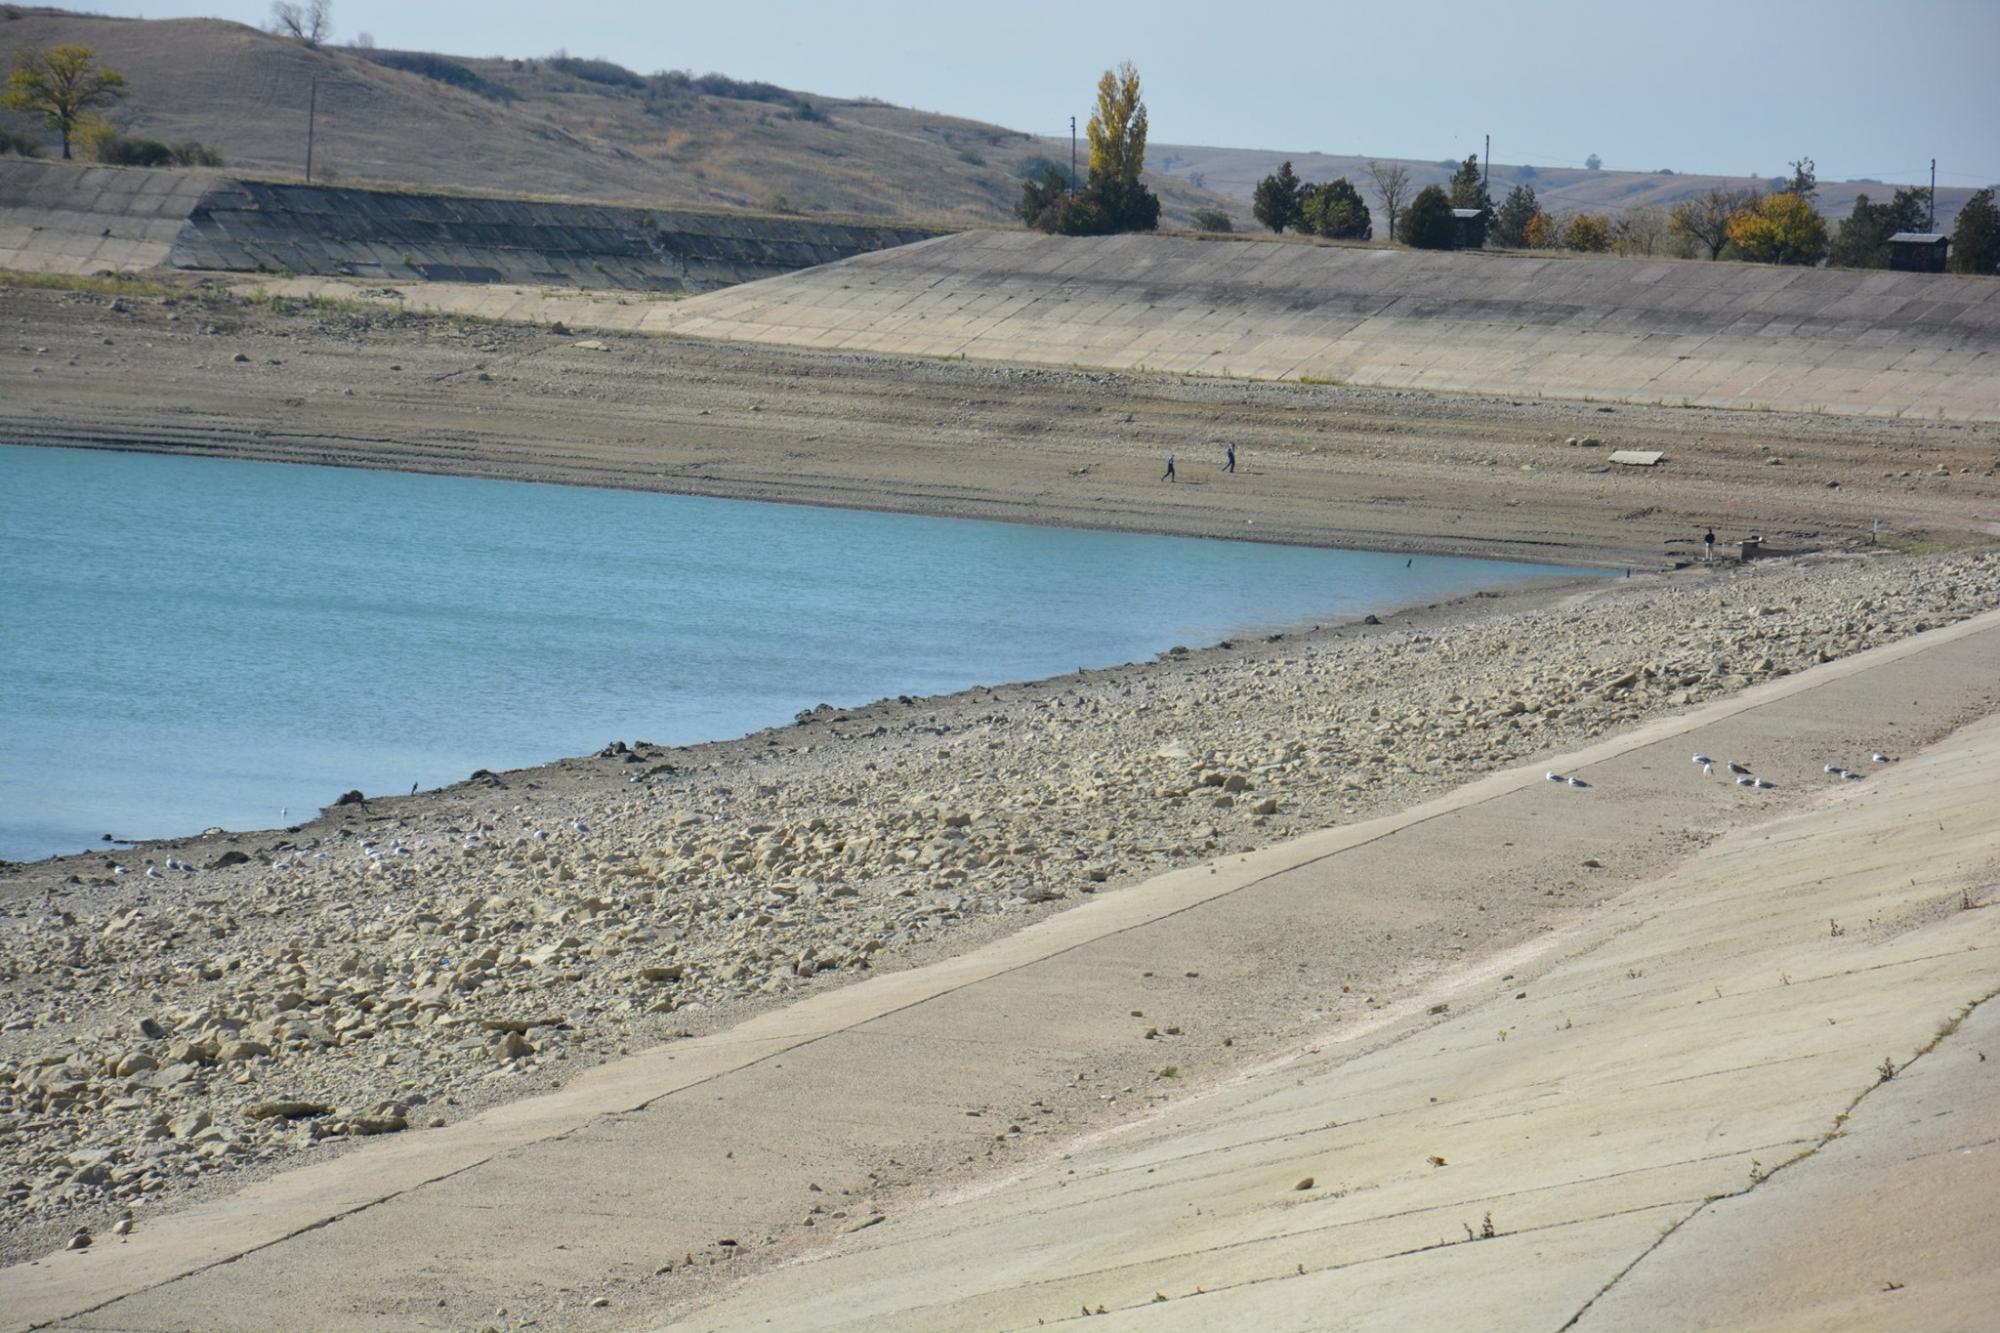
(1593, 162)
(62, 85)
(1975, 241)
(1276, 199)
(1862, 239)
(1804, 182)
(1429, 225)
(1468, 186)
(1780, 229)
(1510, 222)
(1336, 210)
(1041, 198)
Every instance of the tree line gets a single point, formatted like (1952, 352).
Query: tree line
(1781, 226)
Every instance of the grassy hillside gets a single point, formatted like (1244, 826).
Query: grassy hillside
(1236, 171)
(571, 128)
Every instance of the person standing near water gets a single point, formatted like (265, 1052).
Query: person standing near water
(1170, 470)
(1708, 545)
(1229, 459)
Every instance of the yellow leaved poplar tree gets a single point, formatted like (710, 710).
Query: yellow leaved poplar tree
(1118, 129)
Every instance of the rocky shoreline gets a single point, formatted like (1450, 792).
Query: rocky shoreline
(401, 963)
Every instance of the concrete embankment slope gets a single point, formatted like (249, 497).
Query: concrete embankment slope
(57, 217)
(1672, 332)
(1661, 1061)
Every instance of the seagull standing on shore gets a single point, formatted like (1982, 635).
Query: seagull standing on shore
(1881, 758)
(153, 871)
(1578, 782)
(1554, 776)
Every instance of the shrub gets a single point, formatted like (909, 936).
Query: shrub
(604, 72)
(1779, 229)
(103, 143)
(18, 144)
(742, 90)
(1335, 210)
(808, 112)
(441, 70)
(1429, 224)
(1588, 232)
(1213, 219)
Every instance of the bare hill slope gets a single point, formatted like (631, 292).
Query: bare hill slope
(531, 127)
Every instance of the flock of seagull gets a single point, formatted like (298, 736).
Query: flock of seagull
(1741, 772)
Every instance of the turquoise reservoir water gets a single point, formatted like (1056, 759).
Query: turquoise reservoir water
(186, 642)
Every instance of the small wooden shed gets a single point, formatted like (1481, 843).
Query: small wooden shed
(1471, 228)
(1919, 251)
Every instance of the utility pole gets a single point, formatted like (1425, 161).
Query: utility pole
(1932, 224)
(1486, 170)
(1072, 153)
(312, 114)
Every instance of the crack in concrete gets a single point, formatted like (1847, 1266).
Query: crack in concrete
(1838, 1130)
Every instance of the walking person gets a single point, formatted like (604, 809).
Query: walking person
(1708, 545)
(1170, 470)
(1229, 460)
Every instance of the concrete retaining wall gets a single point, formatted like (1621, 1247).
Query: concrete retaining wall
(65, 218)
(1709, 334)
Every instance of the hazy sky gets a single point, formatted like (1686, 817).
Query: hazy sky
(1865, 87)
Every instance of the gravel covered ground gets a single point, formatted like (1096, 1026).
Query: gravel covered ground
(166, 1031)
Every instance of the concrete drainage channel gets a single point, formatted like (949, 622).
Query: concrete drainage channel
(59, 217)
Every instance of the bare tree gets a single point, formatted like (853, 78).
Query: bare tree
(1704, 219)
(1639, 231)
(1392, 183)
(310, 22)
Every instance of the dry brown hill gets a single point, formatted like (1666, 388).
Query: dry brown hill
(580, 129)
(589, 129)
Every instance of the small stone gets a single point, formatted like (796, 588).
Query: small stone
(285, 1110)
(80, 1241)
(1305, 1183)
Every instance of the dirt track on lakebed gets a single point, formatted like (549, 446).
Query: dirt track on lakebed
(218, 376)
